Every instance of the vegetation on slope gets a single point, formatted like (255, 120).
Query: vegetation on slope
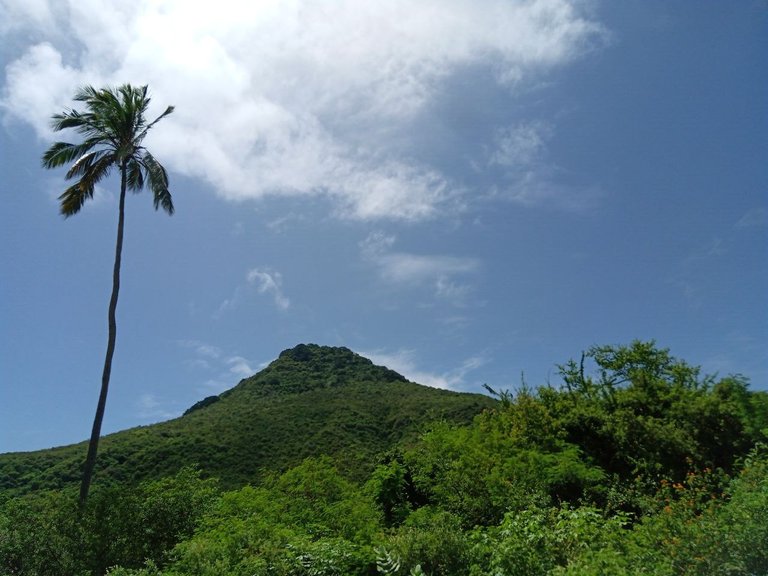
(313, 400)
(636, 465)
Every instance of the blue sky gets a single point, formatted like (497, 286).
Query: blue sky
(466, 192)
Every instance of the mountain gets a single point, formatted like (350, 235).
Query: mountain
(311, 400)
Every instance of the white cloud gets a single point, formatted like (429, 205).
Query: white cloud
(451, 290)
(269, 282)
(21, 14)
(520, 147)
(537, 188)
(404, 362)
(38, 81)
(202, 349)
(375, 244)
(240, 367)
(216, 369)
(265, 281)
(292, 97)
(402, 268)
(208, 351)
(527, 174)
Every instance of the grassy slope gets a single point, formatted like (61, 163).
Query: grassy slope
(312, 400)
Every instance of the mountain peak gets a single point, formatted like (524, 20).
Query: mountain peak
(337, 361)
(308, 367)
(310, 352)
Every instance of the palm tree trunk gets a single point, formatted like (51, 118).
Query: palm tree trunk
(90, 460)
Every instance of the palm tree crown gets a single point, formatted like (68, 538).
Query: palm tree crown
(114, 128)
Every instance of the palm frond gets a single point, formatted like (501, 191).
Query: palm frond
(141, 136)
(139, 103)
(98, 171)
(86, 93)
(61, 153)
(89, 122)
(158, 183)
(111, 112)
(73, 198)
(67, 119)
(104, 114)
(88, 162)
(163, 199)
(86, 124)
(134, 175)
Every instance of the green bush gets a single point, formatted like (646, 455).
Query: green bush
(433, 540)
(309, 520)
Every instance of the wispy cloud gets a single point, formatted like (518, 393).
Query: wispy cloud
(269, 282)
(520, 147)
(754, 218)
(687, 278)
(525, 173)
(151, 408)
(263, 281)
(291, 98)
(207, 351)
(239, 366)
(215, 369)
(402, 268)
(405, 362)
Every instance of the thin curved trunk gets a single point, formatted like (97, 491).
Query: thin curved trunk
(90, 460)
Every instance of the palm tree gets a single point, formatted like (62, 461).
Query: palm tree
(113, 127)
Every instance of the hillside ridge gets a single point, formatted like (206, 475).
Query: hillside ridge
(307, 367)
(303, 368)
(311, 400)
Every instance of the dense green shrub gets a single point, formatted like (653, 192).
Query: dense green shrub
(39, 535)
(47, 533)
(432, 539)
(309, 520)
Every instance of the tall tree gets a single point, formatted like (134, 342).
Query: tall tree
(113, 127)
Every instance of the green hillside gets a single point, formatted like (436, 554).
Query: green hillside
(635, 464)
(313, 400)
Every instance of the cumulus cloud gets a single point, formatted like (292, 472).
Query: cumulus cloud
(291, 98)
(23, 14)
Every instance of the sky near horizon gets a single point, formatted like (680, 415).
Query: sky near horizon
(465, 192)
